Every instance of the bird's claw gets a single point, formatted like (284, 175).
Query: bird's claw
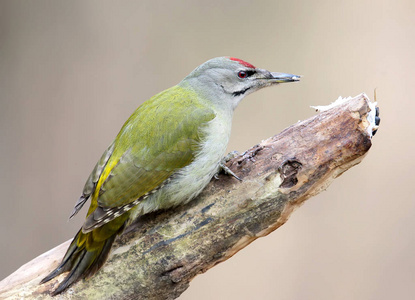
(224, 168)
(228, 171)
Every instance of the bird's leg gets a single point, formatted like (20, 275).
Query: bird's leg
(224, 168)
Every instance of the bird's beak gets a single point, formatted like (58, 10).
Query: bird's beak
(283, 77)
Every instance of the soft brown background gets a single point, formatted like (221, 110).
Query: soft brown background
(71, 72)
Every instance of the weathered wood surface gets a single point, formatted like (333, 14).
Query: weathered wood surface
(160, 254)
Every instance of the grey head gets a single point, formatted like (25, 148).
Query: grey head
(229, 79)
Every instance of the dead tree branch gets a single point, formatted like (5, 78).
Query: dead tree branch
(160, 254)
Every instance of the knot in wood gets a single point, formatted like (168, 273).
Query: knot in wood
(288, 172)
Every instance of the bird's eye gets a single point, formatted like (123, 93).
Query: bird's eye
(242, 74)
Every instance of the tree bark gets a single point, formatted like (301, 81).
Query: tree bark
(158, 255)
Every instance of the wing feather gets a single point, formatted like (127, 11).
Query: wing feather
(92, 180)
(161, 137)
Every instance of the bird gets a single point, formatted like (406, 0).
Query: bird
(164, 155)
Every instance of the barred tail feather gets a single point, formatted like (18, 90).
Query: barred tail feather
(81, 262)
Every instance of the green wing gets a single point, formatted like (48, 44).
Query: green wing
(162, 136)
(92, 180)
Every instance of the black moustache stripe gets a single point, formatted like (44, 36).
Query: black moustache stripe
(240, 92)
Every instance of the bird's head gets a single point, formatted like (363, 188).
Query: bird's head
(230, 79)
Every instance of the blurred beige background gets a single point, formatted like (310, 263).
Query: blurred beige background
(71, 72)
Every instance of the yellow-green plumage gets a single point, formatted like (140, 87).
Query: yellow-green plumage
(158, 139)
(164, 155)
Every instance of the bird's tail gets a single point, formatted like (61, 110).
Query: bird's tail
(85, 256)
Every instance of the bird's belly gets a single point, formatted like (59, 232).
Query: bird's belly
(188, 182)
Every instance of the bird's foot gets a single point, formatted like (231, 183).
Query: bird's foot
(223, 168)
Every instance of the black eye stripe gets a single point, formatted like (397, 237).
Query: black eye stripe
(250, 72)
(243, 74)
